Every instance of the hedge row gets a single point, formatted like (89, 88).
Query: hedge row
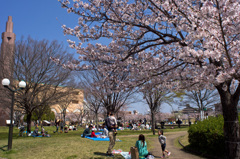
(208, 136)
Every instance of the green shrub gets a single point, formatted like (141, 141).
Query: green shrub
(208, 136)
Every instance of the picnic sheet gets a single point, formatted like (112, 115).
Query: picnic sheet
(99, 139)
(98, 133)
(126, 155)
(31, 132)
(37, 136)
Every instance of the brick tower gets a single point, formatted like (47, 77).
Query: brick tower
(6, 69)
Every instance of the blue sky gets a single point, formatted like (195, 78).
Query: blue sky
(36, 18)
(42, 19)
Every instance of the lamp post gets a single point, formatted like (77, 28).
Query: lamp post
(22, 85)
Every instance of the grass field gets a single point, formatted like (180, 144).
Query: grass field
(66, 145)
(183, 140)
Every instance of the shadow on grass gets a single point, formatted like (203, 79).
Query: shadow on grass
(72, 157)
(2, 148)
(104, 155)
(202, 153)
(158, 157)
(100, 154)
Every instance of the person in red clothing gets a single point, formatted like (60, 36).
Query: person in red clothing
(93, 134)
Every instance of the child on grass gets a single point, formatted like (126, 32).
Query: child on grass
(162, 139)
(93, 134)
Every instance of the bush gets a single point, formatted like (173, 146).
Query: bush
(208, 136)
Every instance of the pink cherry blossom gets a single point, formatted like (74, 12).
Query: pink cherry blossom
(176, 44)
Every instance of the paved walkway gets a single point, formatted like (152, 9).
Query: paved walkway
(176, 153)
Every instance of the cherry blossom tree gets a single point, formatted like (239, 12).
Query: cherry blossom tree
(99, 91)
(155, 96)
(92, 102)
(179, 44)
(164, 116)
(122, 113)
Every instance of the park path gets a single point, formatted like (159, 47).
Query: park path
(176, 153)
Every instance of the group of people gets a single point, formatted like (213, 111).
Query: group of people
(43, 132)
(89, 132)
(63, 128)
(141, 145)
(110, 130)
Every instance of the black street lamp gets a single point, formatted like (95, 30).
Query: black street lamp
(22, 85)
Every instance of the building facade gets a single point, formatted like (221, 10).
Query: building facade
(73, 106)
(6, 69)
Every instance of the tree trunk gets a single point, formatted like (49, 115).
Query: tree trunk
(63, 119)
(96, 115)
(29, 116)
(81, 121)
(231, 125)
(153, 123)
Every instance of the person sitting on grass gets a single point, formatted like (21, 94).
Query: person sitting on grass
(87, 131)
(35, 132)
(43, 131)
(105, 131)
(75, 127)
(141, 145)
(93, 134)
(66, 129)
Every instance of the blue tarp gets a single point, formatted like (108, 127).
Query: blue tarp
(37, 136)
(98, 133)
(99, 139)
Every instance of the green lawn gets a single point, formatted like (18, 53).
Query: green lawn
(66, 145)
(183, 140)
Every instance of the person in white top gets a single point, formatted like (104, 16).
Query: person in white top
(113, 122)
(112, 126)
(162, 140)
(105, 131)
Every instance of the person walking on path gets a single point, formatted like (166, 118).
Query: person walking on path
(177, 152)
(162, 139)
(111, 133)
